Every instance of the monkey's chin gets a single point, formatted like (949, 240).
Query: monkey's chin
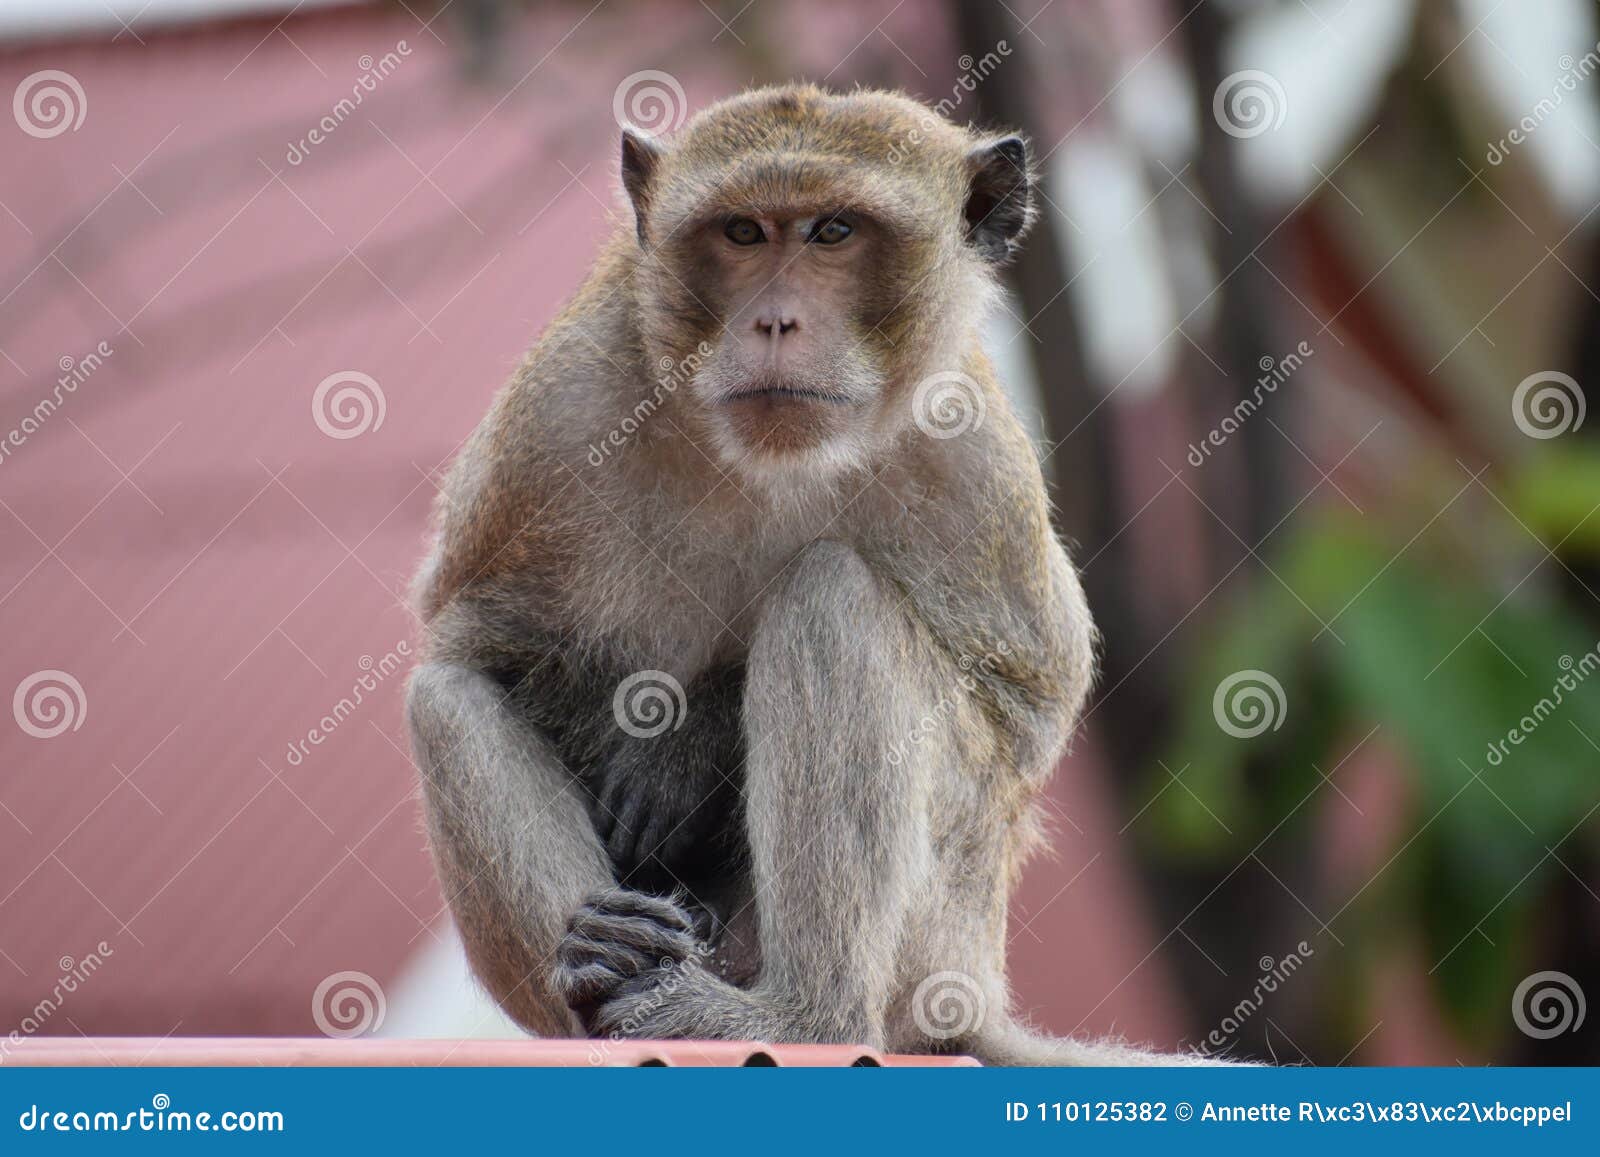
(787, 438)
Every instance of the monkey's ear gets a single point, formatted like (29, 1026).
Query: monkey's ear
(999, 197)
(640, 158)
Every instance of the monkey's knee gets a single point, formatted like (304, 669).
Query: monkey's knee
(827, 607)
(437, 695)
(422, 694)
(824, 575)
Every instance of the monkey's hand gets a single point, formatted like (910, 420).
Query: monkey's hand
(664, 818)
(622, 943)
(666, 806)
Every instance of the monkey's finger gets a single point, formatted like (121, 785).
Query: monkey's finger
(655, 839)
(635, 907)
(577, 951)
(708, 925)
(622, 846)
(587, 984)
(628, 902)
(638, 933)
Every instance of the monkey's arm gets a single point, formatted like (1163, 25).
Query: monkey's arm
(983, 571)
(1018, 633)
(510, 833)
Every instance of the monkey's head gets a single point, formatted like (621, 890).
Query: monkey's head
(829, 251)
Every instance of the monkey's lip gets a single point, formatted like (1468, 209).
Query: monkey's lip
(784, 394)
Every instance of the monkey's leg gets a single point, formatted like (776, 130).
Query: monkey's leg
(840, 710)
(837, 679)
(511, 834)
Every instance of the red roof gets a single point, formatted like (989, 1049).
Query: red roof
(217, 573)
(155, 1052)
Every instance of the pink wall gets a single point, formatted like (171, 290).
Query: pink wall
(217, 572)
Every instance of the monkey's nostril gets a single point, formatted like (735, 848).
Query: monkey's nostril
(770, 325)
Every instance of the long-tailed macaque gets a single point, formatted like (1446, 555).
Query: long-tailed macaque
(749, 643)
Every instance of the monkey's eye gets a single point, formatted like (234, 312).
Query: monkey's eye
(830, 232)
(743, 231)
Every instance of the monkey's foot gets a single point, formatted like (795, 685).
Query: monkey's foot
(622, 943)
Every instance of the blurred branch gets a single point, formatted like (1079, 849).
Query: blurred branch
(1245, 292)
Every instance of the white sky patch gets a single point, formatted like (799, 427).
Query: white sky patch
(436, 997)
(38, 19)
(1331, 59)
(1521, 51)
(1120, 284)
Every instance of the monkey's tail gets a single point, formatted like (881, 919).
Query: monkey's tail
(1013, 1044)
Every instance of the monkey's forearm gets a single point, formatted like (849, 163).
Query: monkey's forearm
(1031, 659)
(510, 834)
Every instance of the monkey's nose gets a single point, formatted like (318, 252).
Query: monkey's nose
(776, 324)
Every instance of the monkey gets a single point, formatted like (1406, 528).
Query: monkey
(749, 645)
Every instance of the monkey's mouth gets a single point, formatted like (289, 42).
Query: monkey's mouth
(782, 395)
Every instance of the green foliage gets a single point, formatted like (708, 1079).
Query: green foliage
(1449, 666)
(1556, 494)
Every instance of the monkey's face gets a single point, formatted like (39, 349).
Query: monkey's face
(829, 252)
(798, 370)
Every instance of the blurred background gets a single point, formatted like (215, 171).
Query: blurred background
(1304, 336)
